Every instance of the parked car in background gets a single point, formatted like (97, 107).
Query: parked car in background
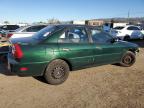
(142, 28)
(9, 28)
(57, 49)
(108, 26)
(4, 49)
(127, 32)
(2, 33)
(25, 31)
(142, 32)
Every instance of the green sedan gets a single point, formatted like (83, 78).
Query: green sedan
(58, 49)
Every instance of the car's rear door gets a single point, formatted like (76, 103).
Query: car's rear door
(74, 46)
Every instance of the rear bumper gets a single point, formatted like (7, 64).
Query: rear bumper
(34, 69)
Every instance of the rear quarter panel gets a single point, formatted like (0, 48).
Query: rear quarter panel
(36, 57)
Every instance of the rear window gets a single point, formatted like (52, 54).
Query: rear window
(44, 33)
(34, 28)
(133, 28)
(119, 28)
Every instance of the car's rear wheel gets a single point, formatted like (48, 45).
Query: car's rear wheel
(126, 38)
(57, 72)
(128, 59)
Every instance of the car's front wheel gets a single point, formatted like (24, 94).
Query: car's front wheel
(57, 72)
(128, 59)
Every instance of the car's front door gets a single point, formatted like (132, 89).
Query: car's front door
(105, 51)
(74, 46)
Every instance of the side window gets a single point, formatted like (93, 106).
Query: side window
(100, 37)
(33, 29)
(74, 35)
(10, 27)
(29, 29)
(41, 27)
(4, 27)
(133, 28)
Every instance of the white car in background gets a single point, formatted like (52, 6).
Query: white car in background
(127, 32)
(143, 32)
(23, 32)
(142, 28)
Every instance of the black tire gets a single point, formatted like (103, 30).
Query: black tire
(57, 72)
(126, 38)
(128, 59)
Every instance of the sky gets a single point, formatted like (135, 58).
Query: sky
(66, 10)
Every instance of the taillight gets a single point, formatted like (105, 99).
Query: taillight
(23, 69)
(9, 35)
(17, 51)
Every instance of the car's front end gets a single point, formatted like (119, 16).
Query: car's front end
(128, 46)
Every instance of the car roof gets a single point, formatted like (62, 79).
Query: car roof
(23, 28)
(131, 25)
(75, 25)
(34, 25)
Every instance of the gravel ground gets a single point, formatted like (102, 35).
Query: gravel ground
(106, 86)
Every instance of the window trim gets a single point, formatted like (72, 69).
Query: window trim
(70, 27)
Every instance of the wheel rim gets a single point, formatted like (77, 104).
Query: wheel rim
(128, 59)
(58, 73)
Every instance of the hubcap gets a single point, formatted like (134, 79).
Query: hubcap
(58, 72)
(128, 59)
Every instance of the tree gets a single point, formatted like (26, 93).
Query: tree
(6, 22)
(41, 22)
(53, 21)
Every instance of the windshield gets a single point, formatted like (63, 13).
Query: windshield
(44, 33)
(119, 28)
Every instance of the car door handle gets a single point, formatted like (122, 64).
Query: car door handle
(66, 49)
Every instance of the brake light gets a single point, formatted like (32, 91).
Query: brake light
(23, 69)
(17, 51)
(9, 35)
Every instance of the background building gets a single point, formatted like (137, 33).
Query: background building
(95, 22)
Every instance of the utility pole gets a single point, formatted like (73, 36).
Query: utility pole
(128, 16)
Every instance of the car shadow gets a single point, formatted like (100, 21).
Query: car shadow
(41, 79)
